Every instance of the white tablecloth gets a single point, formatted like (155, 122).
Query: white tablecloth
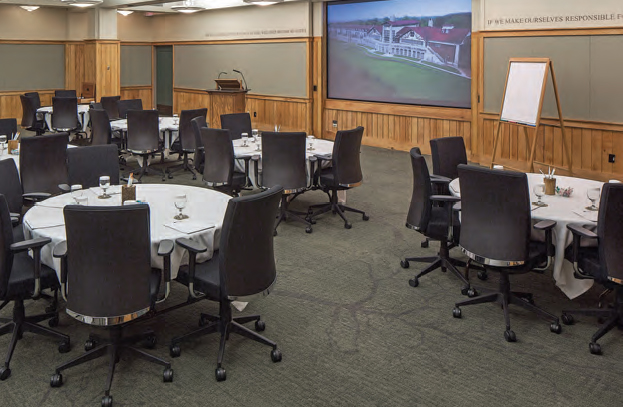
(205, 208)
(83, 115)
(564, 211)
(170, 124)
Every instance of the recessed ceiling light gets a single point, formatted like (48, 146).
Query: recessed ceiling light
(263, 2)
(187, 6)
(125, 12)
(30, 8)
(82, 3)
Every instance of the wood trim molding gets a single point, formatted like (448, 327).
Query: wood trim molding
(135, 87)
(21, 92)
(553, 31)
(278, 98)
(51, 42)
(431, 112)
(580, 124)
(136, 43)
(247, 41)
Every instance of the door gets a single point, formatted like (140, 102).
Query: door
(164, 79)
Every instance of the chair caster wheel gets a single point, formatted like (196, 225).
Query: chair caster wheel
(64, 347)
(510, 336)
(56, 380)
(347, 226)
(567, 319)
(260, 325)
(365, 217)
(469, 291)
(220, 374)
(275, 355)
(150, 341)
(594, 347)
(53, 322)
(404, 264)
(482, 275)
(424, 244)
(5, 372)
(203, 321)
(555, 327)
(167, 375)
(107, 401)
(414, 282)
(275, 233)
(456, 312)
(175, 350)
(90, 344)
(308, 229)
(312, 221)
(194, 177)
(170, 176)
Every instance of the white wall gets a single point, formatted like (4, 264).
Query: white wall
(46, 23)
(136, 27)
(77, 26)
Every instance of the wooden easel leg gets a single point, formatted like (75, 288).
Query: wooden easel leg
(533, 149)
(495, 143)
(565, 144)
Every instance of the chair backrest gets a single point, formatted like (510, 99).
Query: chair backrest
(10, 185)
(346, 152)
(110, 281)
(109, 103)
(65, 115)
(36, 98)
(85, 165)
(246, 254)
(95, 105)
(186, 134)
(8, 127)
(143, 131)
(236, 123)
(219, 156)
(495, 215)
(123, 106)
(447, 153)
(6, 240)
(69, 93)
(43, 162)
(197, 123)
(283, 161)
(101, 132)
(610, 231)
(420, 207)
(29, 111)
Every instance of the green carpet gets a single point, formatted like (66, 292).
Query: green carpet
(351, 329)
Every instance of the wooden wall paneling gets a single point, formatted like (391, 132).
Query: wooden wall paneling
(108, 69)
(11, 106)
(90, 65)
(184, 99)
(144, 93)
(74, 66)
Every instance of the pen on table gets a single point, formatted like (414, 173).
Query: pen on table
(130, 179)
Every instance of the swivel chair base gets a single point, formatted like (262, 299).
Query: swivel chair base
(20, 324)
(612, 316)
(504, 297)
(335, 207)
(114, 349)
(185, 166)
(226, 324)
(285, 214)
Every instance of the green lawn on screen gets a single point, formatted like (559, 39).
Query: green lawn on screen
(365, 76)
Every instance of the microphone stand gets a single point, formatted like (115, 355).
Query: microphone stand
(246, 88)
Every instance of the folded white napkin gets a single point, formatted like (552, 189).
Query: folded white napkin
(589, 215)
(112, 190)
(45, 223)
(188, 227)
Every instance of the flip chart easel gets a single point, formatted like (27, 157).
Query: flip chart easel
(523, 102)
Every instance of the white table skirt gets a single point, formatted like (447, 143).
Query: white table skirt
(564, 211)
(205, 208)
(83, 115)
(165, 124)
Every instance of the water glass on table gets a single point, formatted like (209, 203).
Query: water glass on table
(76, 192)
(310, 142)
(180, 203)
(104, 184)
(3, 140)
(245, 139)
(593, 195)
(539, 191)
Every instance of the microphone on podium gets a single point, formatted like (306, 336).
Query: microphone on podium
(245, 81)
(221, 73)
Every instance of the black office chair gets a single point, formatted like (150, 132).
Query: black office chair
(495, 233)
(116, 292)
(65, 116)
(243, 266)
(186, 142)
(237, 123)
(219, 168)
(85, 165)
(36, 99)
(109, 103)
(123, 106)
(602, 263)
(29, 115)
(143, 137)
(11, 188)
(436, 222)
(69, 93)
(95, 105)
(22, 278)
(43, 165)
(8, 127)
(199, 159)
(283, 163)
(344, 174)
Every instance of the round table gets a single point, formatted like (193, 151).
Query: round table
(205, 208)
(564, 211)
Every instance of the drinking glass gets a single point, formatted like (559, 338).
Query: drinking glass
(180, 203)
(176, 120)
(593, 195)
(104, 184)
(82, 200)
(255, 133)
(2, 143)
(76, 192)
(245, 138)
(310, 141)
(539, 191)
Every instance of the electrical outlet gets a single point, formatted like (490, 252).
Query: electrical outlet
(315, 88)
(254, 114)
(611, 158)
(334, 123)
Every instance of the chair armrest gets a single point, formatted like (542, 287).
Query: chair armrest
(545, 225)
(457, 207)
(64, 187)
(191, 245)
(165, 248)
(438, 179)
(60, 252)
(445, 198)
(580, 231)
(36, 196)
(37, 243)
(15, 215)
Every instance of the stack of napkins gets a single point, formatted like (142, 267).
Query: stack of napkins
(188, 227)
(589, 215)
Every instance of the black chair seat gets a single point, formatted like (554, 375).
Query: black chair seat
(21, 280)
(438, 224)
(588, 262)
(207, 278)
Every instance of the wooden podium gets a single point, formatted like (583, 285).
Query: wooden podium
(230, 97)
